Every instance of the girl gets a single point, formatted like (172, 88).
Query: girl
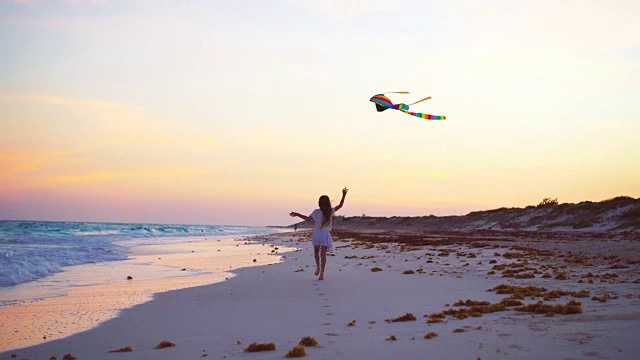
(321, 239)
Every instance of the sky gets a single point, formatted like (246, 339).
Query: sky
(238, 112)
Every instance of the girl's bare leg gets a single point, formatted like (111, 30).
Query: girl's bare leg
(323, 261)
(316, 254)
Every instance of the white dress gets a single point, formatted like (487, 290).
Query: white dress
(321, 235)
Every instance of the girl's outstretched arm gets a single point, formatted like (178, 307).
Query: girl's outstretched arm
(305, 218)
(344, 194)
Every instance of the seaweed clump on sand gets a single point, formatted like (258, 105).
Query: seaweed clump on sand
(403, 318)
(297, 351)
(470, 302)
(165, 344)
(520, 292)
(375, 269)
(431, 335)
(572, 307)
(435, 317)
(255, 347)
(308, 341)
(127, 348)
(475, 310)
(511, 302)
(69, 357)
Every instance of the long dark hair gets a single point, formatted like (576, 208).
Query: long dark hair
(325, 206)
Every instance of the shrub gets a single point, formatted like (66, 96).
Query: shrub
(548, 201)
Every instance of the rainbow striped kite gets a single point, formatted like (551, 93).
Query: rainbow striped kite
(383, 103)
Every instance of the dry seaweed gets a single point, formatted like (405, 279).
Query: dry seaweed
(308, 341)
(572, 307)
(470, 302)
(255, 347)
(403, 318)
(297, 351)
(165, 344)
(127, 348)
(431, 335)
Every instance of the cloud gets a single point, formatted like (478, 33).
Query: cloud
(14, 160)
(64, 101)
(71, 144)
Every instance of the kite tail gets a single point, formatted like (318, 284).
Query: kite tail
(424, 116)
(427, 98)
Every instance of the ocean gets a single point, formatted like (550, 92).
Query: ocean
(31, 250)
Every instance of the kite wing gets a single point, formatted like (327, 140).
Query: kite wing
(382, 102)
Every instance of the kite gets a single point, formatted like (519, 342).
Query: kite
(383, 103)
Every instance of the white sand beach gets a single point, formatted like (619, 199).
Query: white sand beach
(102, 290)
(283, 302)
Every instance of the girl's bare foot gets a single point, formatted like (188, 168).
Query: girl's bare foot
(317, 272)
(321, 276)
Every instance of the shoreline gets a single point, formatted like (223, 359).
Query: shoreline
(283, 302)
(42, 315)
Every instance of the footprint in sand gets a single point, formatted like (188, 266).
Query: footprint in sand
(331, 314)
(326, 324)
(326, 306)
(320, 294)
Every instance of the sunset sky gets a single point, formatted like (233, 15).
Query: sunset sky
(237, 112)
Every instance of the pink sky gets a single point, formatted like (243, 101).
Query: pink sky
(222, 113)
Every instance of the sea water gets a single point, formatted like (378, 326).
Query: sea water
(31, 250)
(62, 278)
